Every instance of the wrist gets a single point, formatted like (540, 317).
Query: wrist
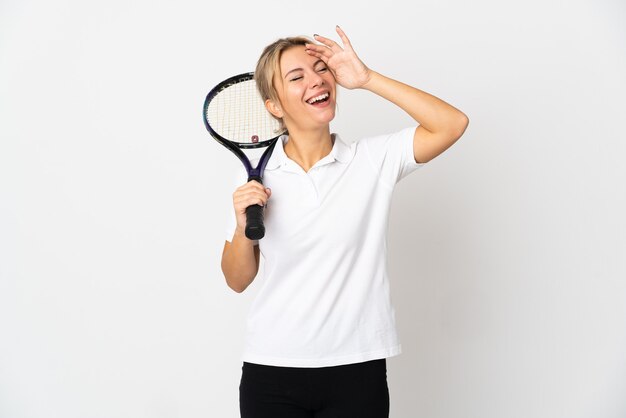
(372, 77)
(240, 235)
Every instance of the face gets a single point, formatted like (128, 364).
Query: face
(306, 89)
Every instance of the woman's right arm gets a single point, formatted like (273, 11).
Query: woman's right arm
(240, 258)
(240, 262)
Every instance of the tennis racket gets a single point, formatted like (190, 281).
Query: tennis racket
(235, 115)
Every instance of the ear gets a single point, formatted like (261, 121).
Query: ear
(273, 108)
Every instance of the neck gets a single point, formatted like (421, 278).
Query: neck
(308, 147)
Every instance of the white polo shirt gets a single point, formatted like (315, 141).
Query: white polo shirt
(324, 296)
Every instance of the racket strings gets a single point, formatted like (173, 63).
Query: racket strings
(238, 114)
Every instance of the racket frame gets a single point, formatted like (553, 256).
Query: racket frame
(254, 173)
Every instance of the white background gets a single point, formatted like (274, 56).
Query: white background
(507, 253)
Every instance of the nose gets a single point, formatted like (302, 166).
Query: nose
(316, 80)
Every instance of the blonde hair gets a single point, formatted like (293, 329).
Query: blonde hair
(269, 64)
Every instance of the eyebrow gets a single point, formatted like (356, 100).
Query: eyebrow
(300, 69)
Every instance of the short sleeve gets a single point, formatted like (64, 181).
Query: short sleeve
(231, 220)
(391, 155)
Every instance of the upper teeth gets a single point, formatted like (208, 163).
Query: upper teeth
(318, 98)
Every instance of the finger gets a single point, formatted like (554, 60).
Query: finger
(252, 185)
(243, 197)
(245, 194)
(250, 201)
(328, 42)
(321, 50)
(344, 37)
(255, 184)
(317, 55)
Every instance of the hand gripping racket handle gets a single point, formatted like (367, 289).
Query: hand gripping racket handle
(255, 229)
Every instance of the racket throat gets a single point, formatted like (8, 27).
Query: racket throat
(255, 175)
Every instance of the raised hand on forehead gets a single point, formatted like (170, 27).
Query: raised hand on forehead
(348, 69)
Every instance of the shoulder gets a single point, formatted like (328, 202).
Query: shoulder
(380, 145)
(389, 138)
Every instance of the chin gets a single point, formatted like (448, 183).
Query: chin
(326, 121)
(328, 116)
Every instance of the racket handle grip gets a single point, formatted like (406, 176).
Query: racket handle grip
(255, 229)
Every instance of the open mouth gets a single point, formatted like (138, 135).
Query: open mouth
(317, 100)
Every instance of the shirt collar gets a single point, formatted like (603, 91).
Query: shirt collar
(341, 153)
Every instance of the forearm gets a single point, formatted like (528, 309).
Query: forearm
(240, 262)
(432, 113)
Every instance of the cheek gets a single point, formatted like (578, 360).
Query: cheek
(294, 95)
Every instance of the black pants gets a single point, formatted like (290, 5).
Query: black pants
(349, 391)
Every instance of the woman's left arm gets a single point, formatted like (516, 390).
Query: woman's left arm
(440, 124)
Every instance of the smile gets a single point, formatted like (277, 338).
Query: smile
(317, 99)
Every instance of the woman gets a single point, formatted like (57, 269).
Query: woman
(322, 324)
